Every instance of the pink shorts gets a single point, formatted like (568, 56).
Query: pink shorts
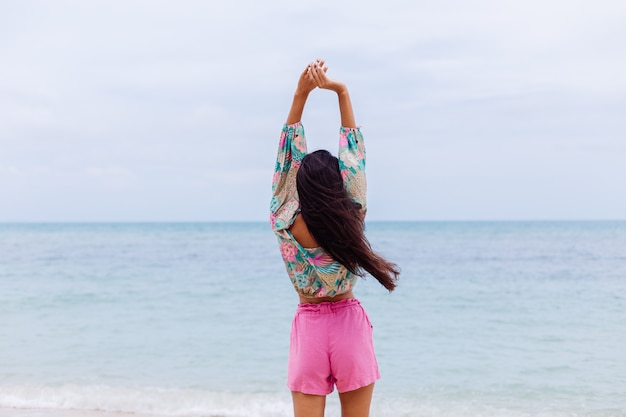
(331, 344)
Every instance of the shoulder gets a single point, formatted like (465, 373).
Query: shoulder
(300, 232)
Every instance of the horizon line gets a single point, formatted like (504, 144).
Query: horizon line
(7, 222)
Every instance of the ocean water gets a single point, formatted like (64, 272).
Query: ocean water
(192, 319)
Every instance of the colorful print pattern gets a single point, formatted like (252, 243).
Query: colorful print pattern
(313, 272)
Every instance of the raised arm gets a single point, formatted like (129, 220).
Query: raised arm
(291, 150)
(305, 86)
(351, 144)
(317, 75)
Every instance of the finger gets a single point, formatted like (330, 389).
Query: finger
(311, 76)
(316, 76)
(306, 71)
(321, 73)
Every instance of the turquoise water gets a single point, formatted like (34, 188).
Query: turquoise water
(490, 319)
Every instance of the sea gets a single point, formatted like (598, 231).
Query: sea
(510, 319)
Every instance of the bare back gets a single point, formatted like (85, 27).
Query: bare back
(301, 233)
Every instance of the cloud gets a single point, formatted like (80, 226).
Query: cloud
(176, 107)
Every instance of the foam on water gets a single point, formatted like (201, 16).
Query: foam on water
(145, 401)
(101, 400)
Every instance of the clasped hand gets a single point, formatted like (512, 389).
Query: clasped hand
(314, 75)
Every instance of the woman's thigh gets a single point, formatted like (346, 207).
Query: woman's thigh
(307, 405)
(356, 403)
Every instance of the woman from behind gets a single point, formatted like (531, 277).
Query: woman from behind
(317, 213)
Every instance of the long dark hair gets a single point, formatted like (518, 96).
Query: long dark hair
(336, 221)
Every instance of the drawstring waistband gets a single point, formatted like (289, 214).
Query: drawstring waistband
(327, 306)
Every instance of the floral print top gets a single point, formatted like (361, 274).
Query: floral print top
(313, 272)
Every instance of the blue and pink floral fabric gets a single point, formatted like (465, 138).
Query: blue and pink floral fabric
(313, 272)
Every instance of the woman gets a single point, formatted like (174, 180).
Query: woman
(317, 212)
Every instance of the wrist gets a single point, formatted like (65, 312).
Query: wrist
(301, 93)
(340, 88)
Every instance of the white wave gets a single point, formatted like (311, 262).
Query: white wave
(145, 401)
(101, 400)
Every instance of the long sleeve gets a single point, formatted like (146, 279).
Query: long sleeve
(285, 203)
(312, 271)
(352, 165)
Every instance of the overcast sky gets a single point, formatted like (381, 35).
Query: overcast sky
(171, 111)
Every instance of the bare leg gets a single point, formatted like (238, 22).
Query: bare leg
(356, 403)
(306, 405)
